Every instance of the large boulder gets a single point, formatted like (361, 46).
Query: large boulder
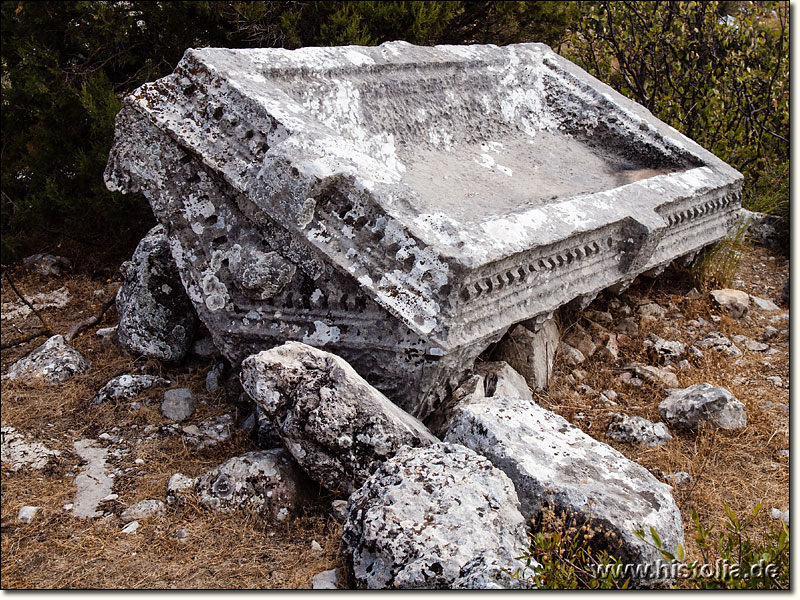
(554, 464)
(531, 353)
(53, 362)
(690, 407)
(268, 482)
(337, 426)
(156, 317)
(435, 517)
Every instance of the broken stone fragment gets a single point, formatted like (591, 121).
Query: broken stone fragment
(690, 407)
(628, 326)
(439, 224)
(127, 387)
(17, 453)
(554, 464)
(267, 482)
(652, 309)
(719, 343)
(47, 264)
(142, 510)
(764, 304)
(326, 580)
(432, 518)
(531, 354)
(178, 404)
(176, 485)
(736, 302)
(637, 430)
(661, 376)
(27, 514)
(678, 478)
(156, 317)
(572, 356)
(750, 343)
(337, 426)
(53, 362)
(579, 338)
(210, 432)
(664, 351)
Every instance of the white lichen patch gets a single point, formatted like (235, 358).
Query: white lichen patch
(322, 334)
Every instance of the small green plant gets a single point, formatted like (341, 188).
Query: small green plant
(568, 557)
(739, 562)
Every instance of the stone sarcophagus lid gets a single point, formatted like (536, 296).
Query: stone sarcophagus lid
(402, 206)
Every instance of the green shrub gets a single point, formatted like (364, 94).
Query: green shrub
(716, 71)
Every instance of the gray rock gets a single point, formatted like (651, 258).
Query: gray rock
(127, 387)
(47, 264)
(693, 294)
(764, 304)
(661, 376)
(178, 404)
(688, 408)
(664, 351)
(765, 230)
(652, 309)
(678, 478)
(435, 517)
(142, 510)
(785, 291)
(267, 482)
(579, 338)
(637, 430)
(43, 300)
(93, 483)
(598, 316)
(553, 463)
(628, 326)
(777, 514)
(750, 343)
(27, 514)
(770, 332)
(481, 201)
(719, 343)
(131, 527)
(339, 510)
(176, 485)
(572, 356)
(156, 317)
(213, 377)
(531, 354)
(334, 423)
(735, 302)
(53, 362)
(326, 580)
(18, 453)
(210, 432)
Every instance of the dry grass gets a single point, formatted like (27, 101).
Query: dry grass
(242, 551)
(740, 468)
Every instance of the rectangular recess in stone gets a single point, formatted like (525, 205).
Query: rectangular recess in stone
(402, 206)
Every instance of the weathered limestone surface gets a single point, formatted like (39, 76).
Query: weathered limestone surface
(403, 206)
(435, 517)
(266, 481)
(53, 362)
(553, 463)
(156, 318)
(690, 407)
(337, 426)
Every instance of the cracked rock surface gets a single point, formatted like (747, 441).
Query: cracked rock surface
(156, 317)
(266, 481)
(337, 426)
(435, 517)
(553, 463)
(54, 362)
(689, 407)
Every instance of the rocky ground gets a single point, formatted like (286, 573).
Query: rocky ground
(61, 447)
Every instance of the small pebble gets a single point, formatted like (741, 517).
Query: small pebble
(26, 514)
(131, 527)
